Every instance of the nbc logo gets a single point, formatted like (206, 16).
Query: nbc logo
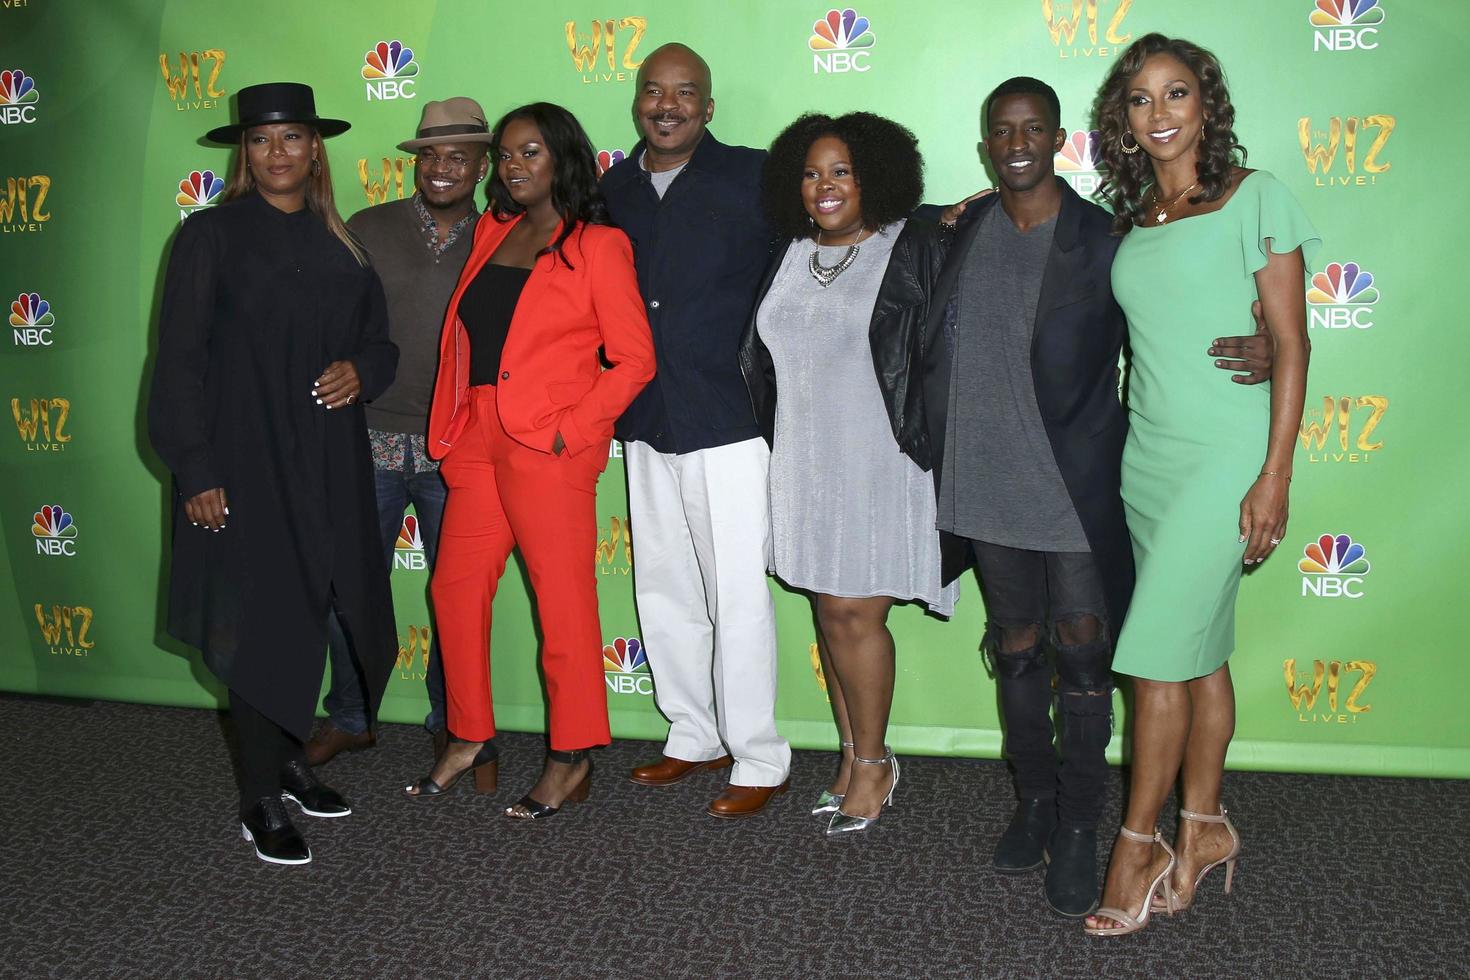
(1333, 566)
(18, 97)
(1345, 25)
(607, 158)
(64, 629)
(55, 531)
(389, 70)
(42, 430)
(625, 666)
(1340, 296)
(201, 189)
(31, 321)
(839, 42)
(1078, 161)
(408, 549)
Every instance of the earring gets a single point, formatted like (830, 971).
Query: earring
(1124, 146)
(316, 167)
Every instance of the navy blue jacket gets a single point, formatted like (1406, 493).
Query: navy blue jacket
(700, 253)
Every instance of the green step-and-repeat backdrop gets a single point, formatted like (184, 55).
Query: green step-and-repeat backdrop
(1350, 656)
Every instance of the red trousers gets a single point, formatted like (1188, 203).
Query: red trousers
(504, 495)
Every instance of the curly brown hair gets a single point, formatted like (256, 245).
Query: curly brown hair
(885, 160)
(1129, 176)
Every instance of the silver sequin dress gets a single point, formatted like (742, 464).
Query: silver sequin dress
(851, 515)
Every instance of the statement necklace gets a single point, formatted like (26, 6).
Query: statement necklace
(1161, 212)
(826, 275)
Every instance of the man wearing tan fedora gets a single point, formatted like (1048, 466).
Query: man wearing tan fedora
(418, 246)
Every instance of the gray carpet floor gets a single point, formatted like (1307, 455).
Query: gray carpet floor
(121, 857)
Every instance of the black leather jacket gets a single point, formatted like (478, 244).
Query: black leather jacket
(896, 333)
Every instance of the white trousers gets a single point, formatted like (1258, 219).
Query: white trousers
(701, 541)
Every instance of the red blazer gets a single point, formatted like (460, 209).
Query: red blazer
(551, 379)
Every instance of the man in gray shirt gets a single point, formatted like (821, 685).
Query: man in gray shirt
(418, 247)
(1021, 380)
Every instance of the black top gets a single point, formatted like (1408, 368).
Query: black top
(700, 251)
(485, 309)
(256, 304)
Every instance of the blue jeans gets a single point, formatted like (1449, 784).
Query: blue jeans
(346, 700)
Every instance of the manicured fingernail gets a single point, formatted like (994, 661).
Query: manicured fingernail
(195, 523)
(227, 510)
(1219, 364)
(1242, 539)
(318, 401)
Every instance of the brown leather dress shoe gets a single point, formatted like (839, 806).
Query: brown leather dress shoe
(738, 802)
(325, 744)
(667, 770)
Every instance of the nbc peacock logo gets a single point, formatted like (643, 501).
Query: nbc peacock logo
(18, 97)
(1079, 160)
(1341, 296)
(408, 548)
(31, 321)
(55, 532)
(1333, 567)
(625, 667)
(607, 159)
(839, 42)
(199, 189)
(1346, 25)
(388, 70)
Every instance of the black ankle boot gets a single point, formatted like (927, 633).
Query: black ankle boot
(265, 824)
(1021, 847)
(1071, 870)
(300, 785)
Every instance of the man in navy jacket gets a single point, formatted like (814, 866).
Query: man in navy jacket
(695, 458)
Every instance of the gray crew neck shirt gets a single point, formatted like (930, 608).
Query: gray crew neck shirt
(1001, 484)
(661, 178)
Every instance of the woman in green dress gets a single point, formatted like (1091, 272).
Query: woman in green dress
(1206, 472)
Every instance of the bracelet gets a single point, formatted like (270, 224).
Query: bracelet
(1284, 476)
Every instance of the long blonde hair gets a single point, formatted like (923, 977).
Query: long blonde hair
(319, 199)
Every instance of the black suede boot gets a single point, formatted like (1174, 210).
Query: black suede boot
(1021, 848)
(1071, 870)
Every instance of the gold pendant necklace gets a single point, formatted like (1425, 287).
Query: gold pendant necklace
(1160, 213)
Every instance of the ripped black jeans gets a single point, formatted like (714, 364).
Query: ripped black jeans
(1035, 601)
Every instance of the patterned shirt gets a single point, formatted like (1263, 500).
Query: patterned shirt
(403, 452)
(430, 227)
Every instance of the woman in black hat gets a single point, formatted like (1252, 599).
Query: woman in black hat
(272, 332)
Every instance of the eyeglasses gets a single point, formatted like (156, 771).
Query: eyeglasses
(455, 163)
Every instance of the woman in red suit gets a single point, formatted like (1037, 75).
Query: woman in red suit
(522, 416)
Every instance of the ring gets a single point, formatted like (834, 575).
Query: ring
(1275, 541)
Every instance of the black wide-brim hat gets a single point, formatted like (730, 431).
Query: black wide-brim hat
(275, 102)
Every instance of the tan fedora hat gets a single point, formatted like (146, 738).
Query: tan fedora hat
(457, 120)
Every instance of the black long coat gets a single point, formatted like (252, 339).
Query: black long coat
(256, 303)
(1080, 330)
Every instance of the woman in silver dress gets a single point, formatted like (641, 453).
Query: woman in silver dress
(837, 330)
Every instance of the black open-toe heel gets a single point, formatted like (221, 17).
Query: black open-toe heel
(536, 810)
(485, 765)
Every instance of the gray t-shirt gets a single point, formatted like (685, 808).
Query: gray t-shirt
(661, 178)
(1000, 483)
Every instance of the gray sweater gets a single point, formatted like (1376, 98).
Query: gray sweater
(418, 285)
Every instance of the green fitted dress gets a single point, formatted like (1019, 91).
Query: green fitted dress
(1196, 440)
